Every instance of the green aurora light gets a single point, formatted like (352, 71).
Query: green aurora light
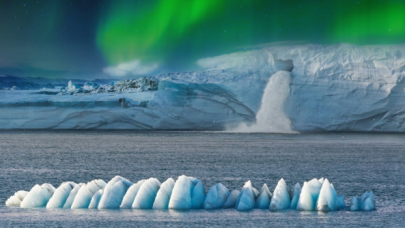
(179, 32)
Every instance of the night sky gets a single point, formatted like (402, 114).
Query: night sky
(89, 39)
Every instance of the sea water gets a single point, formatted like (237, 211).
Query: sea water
(354, 163)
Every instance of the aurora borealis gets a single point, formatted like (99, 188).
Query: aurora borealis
(81, 38)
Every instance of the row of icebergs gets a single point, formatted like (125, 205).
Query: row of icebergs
(188, 193)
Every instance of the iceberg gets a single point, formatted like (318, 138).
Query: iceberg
(341, 202)
(15, 200)
(60, 195)
(163, 195)
(146, 194)
(95, 200)
(38, 196)
(231, 200)
(216, 197)
(309, 195)
(264, 197)
(281, 199)
(246, 198)
(72, 196)
(86, 192)
(114, 192)
(188, 193)
(130, 195)
(354, 204)
(296, 191)
(367, 202)
(328, 199)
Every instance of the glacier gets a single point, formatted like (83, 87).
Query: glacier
(188, 193)
(287, 89)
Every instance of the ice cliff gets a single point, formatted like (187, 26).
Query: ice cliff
(276, 89)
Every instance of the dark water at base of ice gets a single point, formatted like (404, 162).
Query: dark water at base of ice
(354, 163)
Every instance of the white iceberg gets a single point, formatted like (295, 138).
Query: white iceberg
(295, 195)
(146, 194)
(60, 195)
(327, 200)
(38, 196)
(95, 200)
(309, 195)
(130, 195)
(231, 200)
(114, 192)
(246, 198)
(86, 192)
(281, 199)
(163, 196)
(188, 193)
(264, 197)
(216, 197)
(72, 196)
(15, 200)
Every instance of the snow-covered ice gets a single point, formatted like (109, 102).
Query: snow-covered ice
(281, 199)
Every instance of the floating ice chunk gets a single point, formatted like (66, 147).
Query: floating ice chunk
(163, 195)
(15, 200)
(60, 195)
(281, 198)
(264, 197)
(355, 203)
(95, 200)
(367, 202)
(38, 196)
(130, 195)
(216, 197)
(296, 191)
(72, 196)
(341, 202)
(327, 200)
(232, 198)
(188, 193)
(309, 195)
(114, 192)
(86, 192)
(146, 194)
(246, 198)
(321, 180)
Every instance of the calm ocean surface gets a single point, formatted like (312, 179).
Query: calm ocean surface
(354, 163)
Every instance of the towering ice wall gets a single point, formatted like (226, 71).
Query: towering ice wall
(332, 88)
(275, 89)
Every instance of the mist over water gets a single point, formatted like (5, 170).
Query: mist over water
(271, 116)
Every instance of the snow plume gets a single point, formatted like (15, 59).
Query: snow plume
(134, 67)
(271, 116)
